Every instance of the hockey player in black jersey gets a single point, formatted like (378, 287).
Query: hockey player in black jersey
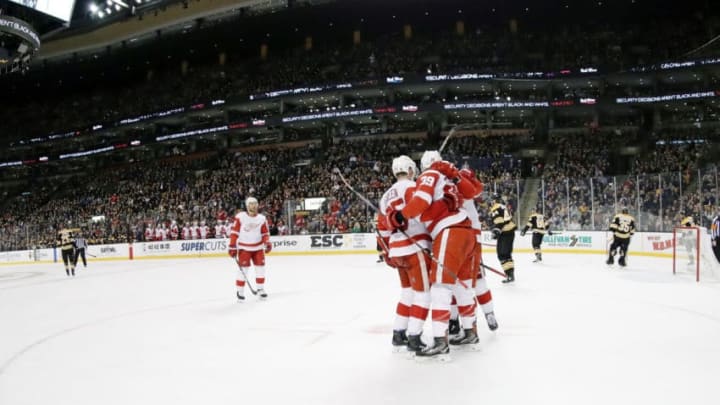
(536, 223)
(504, 231)
(623, 228)
(67, 249)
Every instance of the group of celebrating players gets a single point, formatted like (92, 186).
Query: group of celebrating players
(429, 230)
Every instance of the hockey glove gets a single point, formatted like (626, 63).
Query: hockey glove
(268, 247)
(495, 233)
(452, 200)
(396, 220)
(232, 252)
(468, 174)
(447, 169)
(522, 233)
(550, 233)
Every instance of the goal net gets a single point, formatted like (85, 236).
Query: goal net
(693, 254)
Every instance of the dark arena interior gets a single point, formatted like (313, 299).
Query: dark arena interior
(141, 125)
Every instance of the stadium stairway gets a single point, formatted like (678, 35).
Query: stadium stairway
(529, 199)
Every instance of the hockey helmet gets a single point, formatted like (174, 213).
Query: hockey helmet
(403, 164)
(251, 200)
(428, 158)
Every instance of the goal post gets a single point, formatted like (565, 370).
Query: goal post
(692, 254)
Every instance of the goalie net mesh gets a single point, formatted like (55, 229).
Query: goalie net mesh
(693, 255)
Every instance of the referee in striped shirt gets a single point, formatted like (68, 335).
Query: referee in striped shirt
(80, 245)
(715, 228)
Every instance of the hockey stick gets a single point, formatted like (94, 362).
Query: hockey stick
(385, 247)
(447, 138)
(90, 254)
(247, 280)
(452, 132)
(426, 250)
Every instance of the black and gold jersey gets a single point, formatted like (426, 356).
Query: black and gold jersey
(501, 218)
(536, 223)
(65, 239)
(623, 226)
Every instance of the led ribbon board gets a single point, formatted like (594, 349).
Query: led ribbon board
(19, 28)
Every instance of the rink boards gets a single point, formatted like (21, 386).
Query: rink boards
(572, 242)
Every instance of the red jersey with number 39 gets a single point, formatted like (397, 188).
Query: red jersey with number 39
(427, 202)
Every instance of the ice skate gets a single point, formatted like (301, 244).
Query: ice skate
(415, 343)
(72, 271)
(261, 292)
(538, 258)
(621, 261)
(469, 341)
(240, 296)
(399, 341)
(491, 321)
(510, 276)
(454, 327)
(67, 271)
(440, 351)
(610, 261)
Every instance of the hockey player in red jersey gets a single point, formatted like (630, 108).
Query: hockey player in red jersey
(149, 233)
(174, 232)
(436, 202)
(250, 241)
(482, 292)
(186, 232)
(405, 253)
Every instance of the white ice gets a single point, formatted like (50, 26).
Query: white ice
(572, 331)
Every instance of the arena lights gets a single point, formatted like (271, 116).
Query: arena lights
(109, 7)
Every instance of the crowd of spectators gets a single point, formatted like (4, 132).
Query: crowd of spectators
(576, 191)
(486, 49)
(666, 182)
(208, 188)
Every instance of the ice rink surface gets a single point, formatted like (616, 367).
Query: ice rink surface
(572, 331)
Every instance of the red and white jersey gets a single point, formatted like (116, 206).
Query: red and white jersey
(469, 202)
(173, 231)
(427, 202)
(186, 233)
(249, 232)
(149, 234)
(203, 231)
(472, 213)
(194, 232)
(219, 229)
(160, 234)
(396, 197)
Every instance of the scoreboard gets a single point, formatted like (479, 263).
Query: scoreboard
(60, 9)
